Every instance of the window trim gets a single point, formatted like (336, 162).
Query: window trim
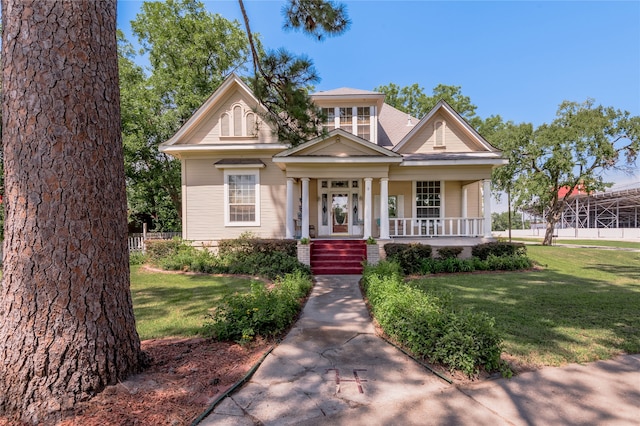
(414, 206)
(241, 172)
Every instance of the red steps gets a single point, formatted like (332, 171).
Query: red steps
(337, 257)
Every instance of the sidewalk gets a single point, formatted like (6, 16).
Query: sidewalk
(332, 369)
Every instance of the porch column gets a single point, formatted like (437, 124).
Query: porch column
(290, 225)
(465, 227)
(367, 207)
(384, 208)
(486, 192)
(305, 208)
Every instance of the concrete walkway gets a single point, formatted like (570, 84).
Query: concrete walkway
(332, 369)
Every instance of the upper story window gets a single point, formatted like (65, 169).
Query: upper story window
(355, 120)
(238, 122)
(330, 122)
(346, 119)
(364, 123)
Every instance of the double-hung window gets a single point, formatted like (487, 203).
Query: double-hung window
(428, 199)
(242, 197)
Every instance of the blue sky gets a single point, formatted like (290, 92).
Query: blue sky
(517, 59)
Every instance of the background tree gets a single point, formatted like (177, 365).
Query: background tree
(282, 81)
(67, 327)
(190, 52)
(502, 221)
(412, 100)
(572, 152)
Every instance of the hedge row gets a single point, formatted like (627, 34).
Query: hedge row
(426, 324)
(416, 258)
(261, 312)
(238, 257)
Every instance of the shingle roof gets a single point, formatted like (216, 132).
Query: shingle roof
(393, 125)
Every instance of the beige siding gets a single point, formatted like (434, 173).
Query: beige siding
(474, 199)
(336, 149)
(459, 173)
(455, 138)
(204, 212)
(208, 129)
(452, 199)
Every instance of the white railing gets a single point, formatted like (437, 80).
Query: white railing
(442, 227)
(136, 241)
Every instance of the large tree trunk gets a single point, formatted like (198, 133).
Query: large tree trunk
(67, 328)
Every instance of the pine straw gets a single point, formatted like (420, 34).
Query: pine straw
(185, 377)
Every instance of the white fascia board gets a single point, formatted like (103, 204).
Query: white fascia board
(171, 149)
(341, 160)
(465, 162)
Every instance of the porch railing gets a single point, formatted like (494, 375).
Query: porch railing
(137, 241)
(441, 227)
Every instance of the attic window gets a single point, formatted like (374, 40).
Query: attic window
(224, 125)
(238, 121)
(439, 128)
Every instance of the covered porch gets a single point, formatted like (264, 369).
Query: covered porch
(363, 207)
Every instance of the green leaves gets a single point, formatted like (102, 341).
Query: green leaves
(318, 18)
(190, 53)
(572, 151)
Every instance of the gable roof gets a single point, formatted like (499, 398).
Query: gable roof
(231, 83)
(443, 106)
(306, 152)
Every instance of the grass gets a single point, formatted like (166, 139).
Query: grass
(602, 243)
(167, 304)
(583, 306)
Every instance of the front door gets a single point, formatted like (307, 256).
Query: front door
(340, 213)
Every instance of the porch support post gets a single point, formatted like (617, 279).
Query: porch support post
(384, 208)
(465, 228)
(305, 208)
(486, 192)
(290, 225)
(367, 207)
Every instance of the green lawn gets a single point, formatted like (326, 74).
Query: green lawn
(583, 306)
(169, 304)
(602, 243)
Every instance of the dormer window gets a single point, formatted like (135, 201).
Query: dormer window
(346, 119)
(439, 130)
(355, 120)
(330, 122)
(364, 123)
(239, 121)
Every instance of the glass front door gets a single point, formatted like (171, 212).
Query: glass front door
(340, 213)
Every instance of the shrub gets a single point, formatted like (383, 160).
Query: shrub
(449, 252)
(498, 248)
(269, 265)
(137, 258)
(261, 312)
(425, 323)
(159, 249)
(248, 244)
(409, 256)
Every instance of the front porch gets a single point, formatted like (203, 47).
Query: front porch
(363, 207)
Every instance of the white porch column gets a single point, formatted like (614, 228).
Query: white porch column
(305, 208)
(290, 225)
(368, 210)
(384, 208)
(486, 192)
(465, 226)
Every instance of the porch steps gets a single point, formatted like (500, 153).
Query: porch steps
(340, 257)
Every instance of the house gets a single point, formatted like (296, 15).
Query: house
(378, 172)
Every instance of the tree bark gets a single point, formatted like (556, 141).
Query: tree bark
(67, 327)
